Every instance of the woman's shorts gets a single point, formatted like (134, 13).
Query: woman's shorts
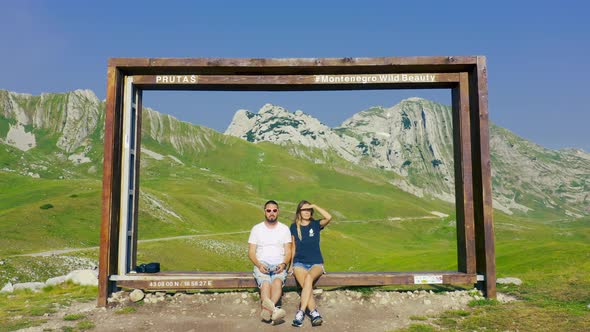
(261, 277)
(307, 266)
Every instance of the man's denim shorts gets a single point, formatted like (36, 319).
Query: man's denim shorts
(307, 266)
(261, 277)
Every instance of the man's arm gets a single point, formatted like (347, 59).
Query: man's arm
(286, 258)
(292, 254)
(252, 256)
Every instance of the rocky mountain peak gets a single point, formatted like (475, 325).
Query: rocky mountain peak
(74, 115)
(414, 140)
(269, 120)
(272, 110)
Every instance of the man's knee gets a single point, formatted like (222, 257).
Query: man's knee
(277, 283)
(265, 286)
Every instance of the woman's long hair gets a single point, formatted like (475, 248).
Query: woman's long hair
(298, 218)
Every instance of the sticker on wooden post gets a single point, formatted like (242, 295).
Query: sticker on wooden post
(428, 279)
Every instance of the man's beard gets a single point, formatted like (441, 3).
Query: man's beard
(272, 221)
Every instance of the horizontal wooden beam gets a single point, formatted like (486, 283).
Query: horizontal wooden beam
(216, 280)
(133, 66)
(276, 82)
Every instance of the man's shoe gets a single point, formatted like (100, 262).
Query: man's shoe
(265, 315)
(299, 316)
(267, 310)
(316, 319)
(278, 314)
(268, 305)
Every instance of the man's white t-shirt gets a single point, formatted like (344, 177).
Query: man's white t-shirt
(270, 242)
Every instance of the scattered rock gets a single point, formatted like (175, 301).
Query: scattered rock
(505, 298)
(55, 281)
(7, 288)
(150, 298)
(118, 297)
(509, 280)
(136, 296)
(83, 277)
(34, 286)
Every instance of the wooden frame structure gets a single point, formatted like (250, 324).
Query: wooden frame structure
(466, 76)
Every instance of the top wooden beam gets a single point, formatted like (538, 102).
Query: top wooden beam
(293, 66)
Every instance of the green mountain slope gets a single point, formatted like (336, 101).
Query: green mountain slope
(196, 181)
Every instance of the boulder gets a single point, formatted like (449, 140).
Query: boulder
(136, 296)
(7, 288)
(34, 286)
(83, 277)
(55, 281)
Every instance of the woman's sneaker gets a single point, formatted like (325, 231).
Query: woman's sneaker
(316, 319)
(299, 316)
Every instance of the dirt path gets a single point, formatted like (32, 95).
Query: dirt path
(438, 215)
(343, 310)
(65, 251)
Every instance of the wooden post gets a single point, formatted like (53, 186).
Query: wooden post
(109, 230)
(463, 178)
(482, 179)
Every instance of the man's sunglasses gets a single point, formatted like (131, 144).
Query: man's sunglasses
(269, 210)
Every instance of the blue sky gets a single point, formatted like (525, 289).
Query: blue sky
(537, 52)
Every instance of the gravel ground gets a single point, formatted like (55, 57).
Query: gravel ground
(342, 310)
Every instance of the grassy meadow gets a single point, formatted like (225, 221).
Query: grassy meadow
(551, 258)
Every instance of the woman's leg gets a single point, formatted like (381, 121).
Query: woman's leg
(300, 275)
(314, 273)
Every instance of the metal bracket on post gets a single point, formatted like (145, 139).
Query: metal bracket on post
(128, 163)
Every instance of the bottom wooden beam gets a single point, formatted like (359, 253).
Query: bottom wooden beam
(172, 281)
